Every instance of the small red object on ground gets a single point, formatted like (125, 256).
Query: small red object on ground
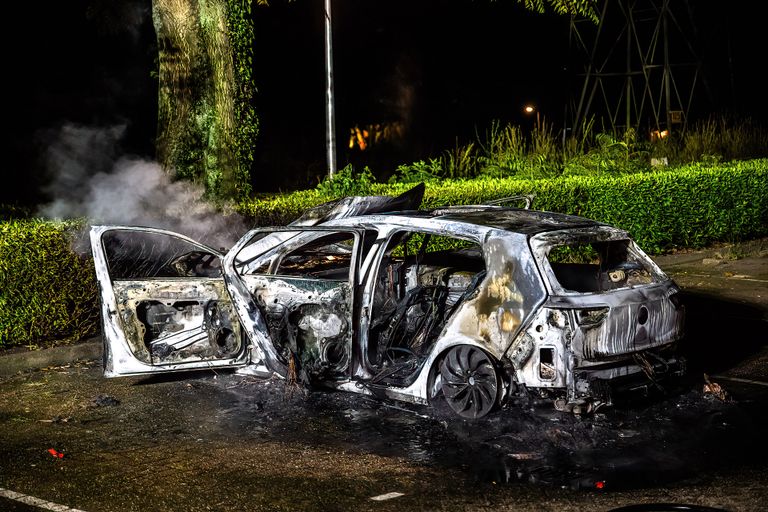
(55, 453)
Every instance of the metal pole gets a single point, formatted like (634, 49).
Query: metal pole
(330, 116)
(630, 27)
(667, 69)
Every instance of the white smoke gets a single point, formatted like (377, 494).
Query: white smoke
(88, 180)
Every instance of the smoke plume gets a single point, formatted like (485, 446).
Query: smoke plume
(88, 179)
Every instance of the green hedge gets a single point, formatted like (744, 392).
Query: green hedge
(689, 206)
(47, 291)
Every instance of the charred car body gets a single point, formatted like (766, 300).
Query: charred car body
(470, 304)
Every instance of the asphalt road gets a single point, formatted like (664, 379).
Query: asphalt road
(8, 505)
(220, 441)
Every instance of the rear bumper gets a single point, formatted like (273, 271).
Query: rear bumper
(641, 374)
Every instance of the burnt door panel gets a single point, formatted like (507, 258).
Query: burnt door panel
(294, 290)
(164, 303)
(309, 319)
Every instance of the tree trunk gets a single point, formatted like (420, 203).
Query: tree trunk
(196, 111)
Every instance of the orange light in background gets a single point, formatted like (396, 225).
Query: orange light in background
(364, 137)
(529, 109)
(358, 138)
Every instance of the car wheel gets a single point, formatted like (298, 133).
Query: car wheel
(470, 384)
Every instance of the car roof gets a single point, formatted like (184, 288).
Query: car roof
(514, 220)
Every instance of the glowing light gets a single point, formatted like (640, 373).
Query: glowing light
(600, 484)
(529, 109)
(363, 137)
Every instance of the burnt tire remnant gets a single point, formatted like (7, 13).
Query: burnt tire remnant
(469, 381)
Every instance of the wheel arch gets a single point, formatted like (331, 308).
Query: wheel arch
(441, 351)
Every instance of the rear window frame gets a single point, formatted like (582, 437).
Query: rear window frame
(542, 243)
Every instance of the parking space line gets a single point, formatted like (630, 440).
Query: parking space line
(388, 496)
(36, 502)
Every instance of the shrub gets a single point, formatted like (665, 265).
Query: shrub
(418, 172)
(47, 291)
(509, 151)
(347, 183)
(690, 206)
(609, 155)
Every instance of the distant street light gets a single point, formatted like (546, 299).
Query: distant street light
(529, 109)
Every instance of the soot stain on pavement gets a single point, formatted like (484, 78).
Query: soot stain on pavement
(678, 437)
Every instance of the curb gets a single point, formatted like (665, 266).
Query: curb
(13, 363)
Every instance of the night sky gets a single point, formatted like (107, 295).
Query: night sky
(442, 69)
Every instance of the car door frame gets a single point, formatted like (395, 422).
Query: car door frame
(118, 358)
(252, 317)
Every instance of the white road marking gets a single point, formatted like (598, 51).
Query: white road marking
(35, 502)
(388, 496)
(737, 379)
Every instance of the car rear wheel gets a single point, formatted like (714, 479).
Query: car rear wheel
(469, 381)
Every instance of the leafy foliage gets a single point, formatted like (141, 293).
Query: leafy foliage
(586, 8)
(47, 291)
(418, 172)
(610, 155)
(689, 206)
(510, 152)
(346, 183)
(240, 27)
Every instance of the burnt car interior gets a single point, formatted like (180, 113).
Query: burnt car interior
(421, 281)
(598, 266)
(173, 319)
(304, 294)
(132, 255)
(328, 257)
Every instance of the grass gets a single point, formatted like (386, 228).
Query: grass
(506, 151)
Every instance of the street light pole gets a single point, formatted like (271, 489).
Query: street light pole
(330, 115)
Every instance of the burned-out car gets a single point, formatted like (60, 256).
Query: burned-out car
(467, 304)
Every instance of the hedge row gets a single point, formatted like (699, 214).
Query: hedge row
(47, 291)
(690, 206)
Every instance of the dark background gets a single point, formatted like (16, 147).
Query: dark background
(443, 69)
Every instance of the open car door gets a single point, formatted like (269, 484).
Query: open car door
(164, 303)
(295, 291)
